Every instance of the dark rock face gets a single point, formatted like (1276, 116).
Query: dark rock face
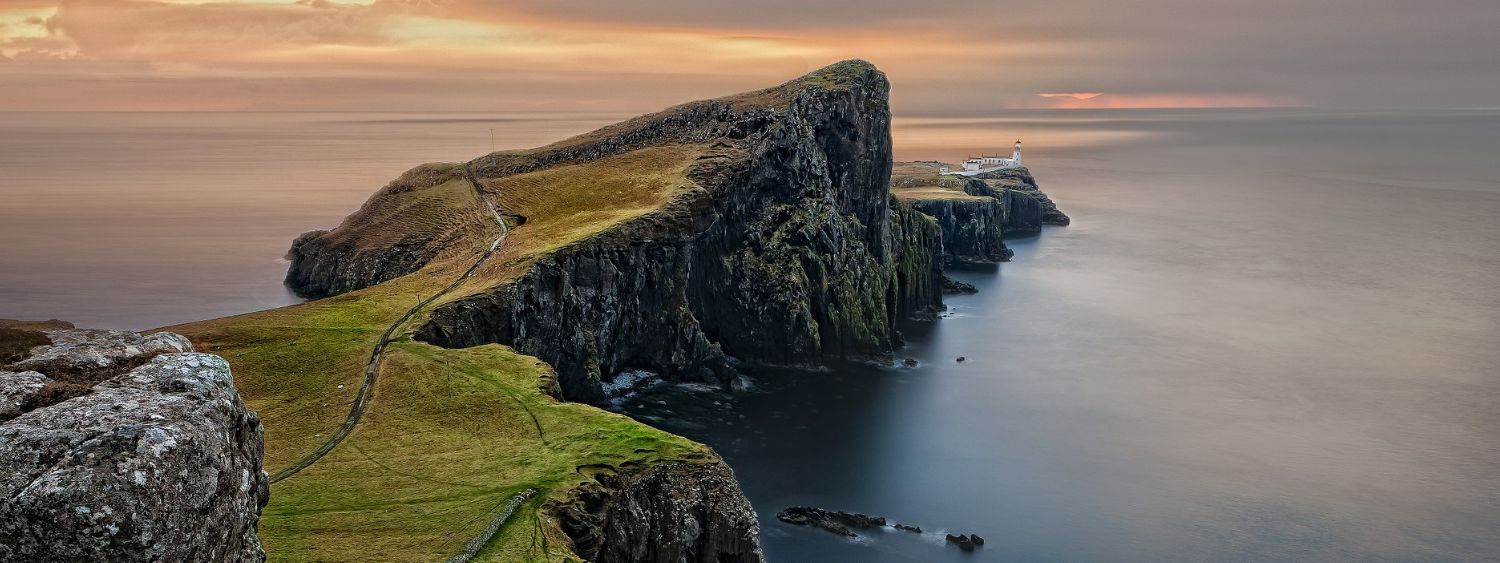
(955, 287)
(683, 512)
(792, 252)
(1026, 208)
(973, 231)
(160, 462)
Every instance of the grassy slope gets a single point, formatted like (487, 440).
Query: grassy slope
(450, 435)
(915, 181)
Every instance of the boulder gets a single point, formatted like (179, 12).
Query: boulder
(17, 390)
(87, 354)
(161, 462)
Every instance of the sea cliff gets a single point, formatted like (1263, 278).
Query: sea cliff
(784, 247)
(976, 213)
(415, 405)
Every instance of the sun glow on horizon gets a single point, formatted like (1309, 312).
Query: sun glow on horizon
(476, 55)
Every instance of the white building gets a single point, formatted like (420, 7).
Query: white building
(982, 164)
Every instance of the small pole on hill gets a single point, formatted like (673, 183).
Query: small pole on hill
(492, 139)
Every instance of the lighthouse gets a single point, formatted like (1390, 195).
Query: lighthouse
(981, 164)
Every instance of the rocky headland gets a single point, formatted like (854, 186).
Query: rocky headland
(976, 213)
(117, 446)
(764, 228)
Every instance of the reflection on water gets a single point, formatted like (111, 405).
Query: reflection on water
(1268, 335)
(1265, 337)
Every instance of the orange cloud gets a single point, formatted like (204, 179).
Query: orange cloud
(1163, 100)
(419, 55)
(1073, 95)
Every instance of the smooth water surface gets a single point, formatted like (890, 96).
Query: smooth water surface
(1268, 334)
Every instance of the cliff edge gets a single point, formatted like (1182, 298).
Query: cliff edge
(757, 227)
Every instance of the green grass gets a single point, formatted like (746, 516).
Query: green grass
(448, 439)
(450, 435)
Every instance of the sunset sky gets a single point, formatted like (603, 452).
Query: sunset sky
(944, 57)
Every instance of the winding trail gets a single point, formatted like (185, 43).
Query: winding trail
(372, 368)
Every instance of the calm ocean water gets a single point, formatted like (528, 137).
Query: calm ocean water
(1268, 335)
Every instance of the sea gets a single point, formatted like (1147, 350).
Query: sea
(1268, 334)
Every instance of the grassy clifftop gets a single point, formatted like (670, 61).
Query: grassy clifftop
(919, 181)
(450, 435)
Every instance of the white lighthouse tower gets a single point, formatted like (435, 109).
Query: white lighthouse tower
(981, 164)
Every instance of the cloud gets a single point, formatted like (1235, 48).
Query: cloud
(945, 57)
(1073, 95)
(1158, 100)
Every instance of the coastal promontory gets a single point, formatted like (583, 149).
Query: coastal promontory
(434, 401)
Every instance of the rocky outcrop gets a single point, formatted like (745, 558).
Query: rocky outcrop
(19, 391)
(1026, 207)
(792, 251)
(90, 355)
(973, 228)
(157, 459)
(834, 521)
(677, 512)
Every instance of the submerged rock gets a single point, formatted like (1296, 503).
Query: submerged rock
(159, 462)
(834, 521)
(964, 542)
(955, 287)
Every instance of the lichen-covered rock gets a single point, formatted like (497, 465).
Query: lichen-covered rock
(17, 389)
(679, 512)
(80, 354)
(159, 463)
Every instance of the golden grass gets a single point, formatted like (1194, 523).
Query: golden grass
(928, 193)
(433, 202)
(566, 204)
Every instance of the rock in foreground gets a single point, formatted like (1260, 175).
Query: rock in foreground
(160, 462)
